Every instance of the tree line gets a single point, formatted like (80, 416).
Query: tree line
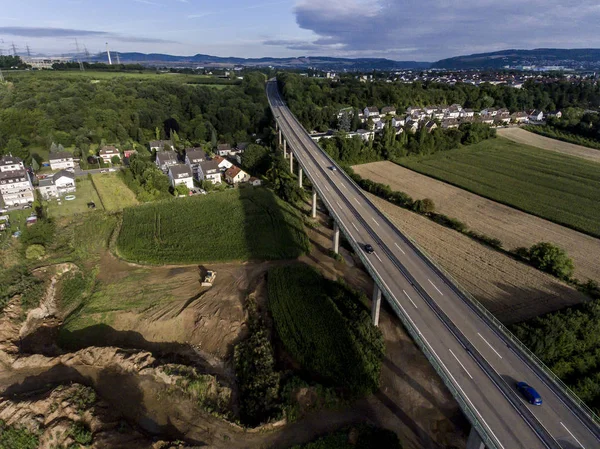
(575, 126)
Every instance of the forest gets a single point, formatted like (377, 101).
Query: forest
(316, 102)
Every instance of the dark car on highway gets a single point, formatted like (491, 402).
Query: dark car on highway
(369, 249)
(529, 393)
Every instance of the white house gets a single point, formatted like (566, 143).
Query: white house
(193, 158)
(61, 160)
(161, 145)
(11, 163)
(467, 113)
(108, 152)
(57, 185)
(235, 175)
(223, 163)
(520, 117)
(15, 187)
(365, 134)
(536, 116)
(371, 111)
(255, 182)
(181, 174)
(397, 121)
(165, 159)
(388, 110)
(209, 171)
(223, 149)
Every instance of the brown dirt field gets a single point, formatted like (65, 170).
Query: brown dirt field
(546, 143)
(511, 290)
(511, 226)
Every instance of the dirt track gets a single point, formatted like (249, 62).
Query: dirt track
(509, 289)
(545, 143)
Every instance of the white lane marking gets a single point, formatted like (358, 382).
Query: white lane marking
(337, 202)
(463, 366)
(488, 343)
(413, 303)
(375, 221)
(582, 447)
(398, 246)
(357, 202)
(327, 188)
(376, 255)
(435, 286)
(354, 226)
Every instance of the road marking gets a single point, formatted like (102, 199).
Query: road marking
(434, 286)
(413, 303)
(463, 366)
(397, 246)
(357, 202)
(488, 343)
(375, 221)
(354, 226)
(376, 255)
(582, 447)
(337, 202)
(327, 188)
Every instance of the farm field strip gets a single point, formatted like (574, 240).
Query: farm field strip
(113, 192)
(512, 227)
(560, 188)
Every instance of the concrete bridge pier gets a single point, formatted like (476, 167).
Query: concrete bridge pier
(474, 441)
(299, 176)
(280, 137)
(284, 149)
(291, 161)
(314, 205)
(376, 305)
(336, 238)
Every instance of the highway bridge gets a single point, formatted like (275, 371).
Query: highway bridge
(476, 357)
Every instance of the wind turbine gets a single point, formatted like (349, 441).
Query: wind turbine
(108, 54)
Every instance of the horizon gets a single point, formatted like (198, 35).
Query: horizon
(390, 29)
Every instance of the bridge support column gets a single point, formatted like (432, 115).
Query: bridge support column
(376, 305)
(336, 238)
(300, 177)
(284, 149)
(280, 137)
(291, 161)
(474, 441)
(314, 205)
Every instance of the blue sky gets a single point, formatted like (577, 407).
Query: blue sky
(422, 30)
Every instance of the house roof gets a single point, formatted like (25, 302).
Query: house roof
(242, 145)
(63, 173)
(209, 165)
(223, 146)
(165, 156)
(233, 171)
(10, 160)
(372, 109)
(180, 171)
(108, 150)
(15, 174)
(388, 110)
(60, 155)
(46, 182)
(160, 143)
(195, 155)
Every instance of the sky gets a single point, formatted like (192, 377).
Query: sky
(415, 30)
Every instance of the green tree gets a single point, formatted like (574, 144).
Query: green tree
(424, 206)
(181, 189)
(35, 165)
(35, 252)
(552, 259)
(115, 160)
(255, 159)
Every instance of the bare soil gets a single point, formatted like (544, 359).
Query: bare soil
(520, 135)
(511, 226)
(511, 290)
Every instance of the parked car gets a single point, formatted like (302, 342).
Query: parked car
(369, 249)
(104, 170)
(529, 393)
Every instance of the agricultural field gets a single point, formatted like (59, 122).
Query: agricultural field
(325, 327)
(560, 188)
(113, 192)
(84, 194)
(524, 137)
(512, 227)
(511, 290)
(238, 224)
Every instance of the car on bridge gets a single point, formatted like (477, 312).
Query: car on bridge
(369, 249)
(529, 393)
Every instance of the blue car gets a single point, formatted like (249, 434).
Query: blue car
(529, 393)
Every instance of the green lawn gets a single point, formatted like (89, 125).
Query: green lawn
(84, 194)
(113, 192)
(237, 224)
(558, 187)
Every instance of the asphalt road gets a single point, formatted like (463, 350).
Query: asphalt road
(477, 361)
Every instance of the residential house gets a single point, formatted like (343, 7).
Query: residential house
(487, 119)
(241, 146)
(128, 153)
(380, 124)
(61, 160)
(449, 123)
(223, 149)
(438, 114)
(365, 135)
(502, 119)
(209, 171)
(371, 111)
(536, 116)
(430, 126)
(467, 113)
(555, 114)
(235, 175)
(11, 163)
(193, 158)
(108, 152)
(398, 121)
(255, 182)
(15, 187)
(415, 110)
(223, 163)
(165, 159)
(181, 174)
(57, 185)
(388, 110)
(161, 145)
(520, 117)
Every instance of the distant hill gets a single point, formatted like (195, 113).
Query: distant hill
(577, 58)
(321, 62)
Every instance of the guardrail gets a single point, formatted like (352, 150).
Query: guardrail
(568, 395)
(577, 406)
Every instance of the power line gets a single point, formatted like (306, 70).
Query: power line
(28, 51)
(79, 56)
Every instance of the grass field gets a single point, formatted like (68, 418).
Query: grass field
(113, 192)
(238, 224)
(325, 328)
(560, 188)
(84, 194)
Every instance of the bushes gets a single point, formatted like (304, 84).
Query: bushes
(18, 280)
(549, 258)
(324, 327)
(15, 438)
(40, 233)
(35, 252)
